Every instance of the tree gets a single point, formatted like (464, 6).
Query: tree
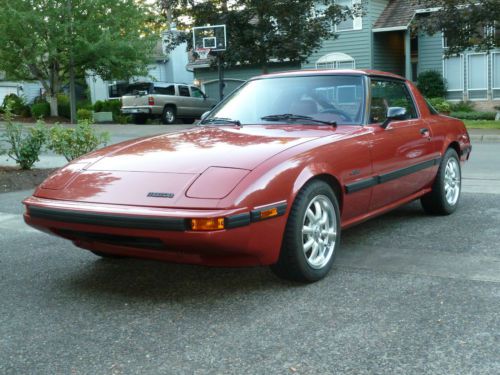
(467, 24)
(261, 30)
(39, 37)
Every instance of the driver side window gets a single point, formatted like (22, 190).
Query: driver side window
(388, 93)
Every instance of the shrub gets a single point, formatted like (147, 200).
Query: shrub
(122, 119)
(84, 104)
(113, 106)
(24, 147)
(474, 115)
(17, 105)
(440, 104)
(75, 142)
(63, 106)
(462, 107)
(431, 84)
(40, 110)
(84, 114)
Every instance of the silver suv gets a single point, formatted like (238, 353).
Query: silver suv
(169, 101)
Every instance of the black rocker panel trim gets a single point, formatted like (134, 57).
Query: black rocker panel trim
(109, 220)
(380, 179)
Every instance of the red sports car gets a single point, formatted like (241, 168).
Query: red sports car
(270, 177)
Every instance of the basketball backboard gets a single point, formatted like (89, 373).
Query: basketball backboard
(209, 37)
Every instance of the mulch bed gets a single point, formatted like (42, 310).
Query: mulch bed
(13, 178)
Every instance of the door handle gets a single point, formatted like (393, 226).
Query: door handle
(424, 131)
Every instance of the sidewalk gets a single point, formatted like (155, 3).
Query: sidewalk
(120, 133)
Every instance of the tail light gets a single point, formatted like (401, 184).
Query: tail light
(151, 100)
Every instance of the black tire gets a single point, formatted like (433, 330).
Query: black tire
(139, 119)
(169, 115)
(107, 255)
(294, 263)
(439, 201)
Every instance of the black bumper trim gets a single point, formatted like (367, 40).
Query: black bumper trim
(239, 220)
(109, 220)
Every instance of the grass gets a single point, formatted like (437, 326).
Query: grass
(482, 124)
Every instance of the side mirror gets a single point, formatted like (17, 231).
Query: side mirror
(204, 115)
(394, 113)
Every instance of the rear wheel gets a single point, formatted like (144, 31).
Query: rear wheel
(312, 235)
(169, 115)
(445, 194)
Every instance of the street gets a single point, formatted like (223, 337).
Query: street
(409, 294)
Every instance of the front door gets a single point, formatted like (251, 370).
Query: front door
(402, 153)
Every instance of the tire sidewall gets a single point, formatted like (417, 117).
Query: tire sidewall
(314, 189)
(450, 153)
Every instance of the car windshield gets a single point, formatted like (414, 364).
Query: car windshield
(317, 100)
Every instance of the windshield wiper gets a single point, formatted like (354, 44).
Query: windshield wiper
(221, 120)
(292, 117)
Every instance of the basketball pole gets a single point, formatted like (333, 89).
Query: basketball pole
(221, 74)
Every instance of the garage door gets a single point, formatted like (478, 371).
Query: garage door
(212, 88)
(6, 90)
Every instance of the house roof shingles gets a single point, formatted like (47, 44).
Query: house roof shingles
(398, 13)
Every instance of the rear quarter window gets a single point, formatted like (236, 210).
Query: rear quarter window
(169, 90)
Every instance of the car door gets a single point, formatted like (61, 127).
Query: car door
(164, 94)
(184, 106)
(403, 153)
(200, 102)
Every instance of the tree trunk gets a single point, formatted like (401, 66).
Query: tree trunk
(53, 105)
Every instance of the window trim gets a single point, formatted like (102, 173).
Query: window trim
(494, 69)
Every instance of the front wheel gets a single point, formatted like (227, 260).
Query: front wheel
(312, 235)
(445, 194)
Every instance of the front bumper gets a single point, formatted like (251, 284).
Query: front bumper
(162, 234)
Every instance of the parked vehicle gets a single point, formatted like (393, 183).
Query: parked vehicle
(169, 101)
(270, 177)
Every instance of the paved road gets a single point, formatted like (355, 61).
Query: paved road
(409, 294)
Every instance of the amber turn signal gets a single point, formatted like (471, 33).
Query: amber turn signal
(269, 213)
(207, 224)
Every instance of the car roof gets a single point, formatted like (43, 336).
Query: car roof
(318, 72)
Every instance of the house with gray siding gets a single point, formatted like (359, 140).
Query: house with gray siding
(382, 39)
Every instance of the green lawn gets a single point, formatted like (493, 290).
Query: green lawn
(482, 124)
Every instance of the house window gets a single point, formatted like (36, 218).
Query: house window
(355, 23)
(336, 60)
(453, 74)
(350, 23)
(477, 76)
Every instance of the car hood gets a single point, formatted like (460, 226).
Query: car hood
(196, 150)
(174, 170)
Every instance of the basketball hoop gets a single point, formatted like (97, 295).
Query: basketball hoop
(202, 53)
